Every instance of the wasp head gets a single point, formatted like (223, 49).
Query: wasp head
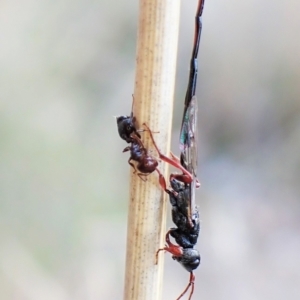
(190, 259)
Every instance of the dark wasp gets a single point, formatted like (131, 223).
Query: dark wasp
(182, 195)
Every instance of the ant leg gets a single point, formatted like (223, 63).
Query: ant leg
(132, 165)
(174, 157)
(143, 174)
(191, 283)
(140, 130)
(149, 130)
(126, 149)
(161, 180)
(132, 104)
(182, 177)
(173, 162)
(135, 135)
(136, 131)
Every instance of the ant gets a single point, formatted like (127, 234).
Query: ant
(146, 164)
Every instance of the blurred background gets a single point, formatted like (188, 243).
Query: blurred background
(67, 67)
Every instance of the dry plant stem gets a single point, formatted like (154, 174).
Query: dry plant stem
(154, 91)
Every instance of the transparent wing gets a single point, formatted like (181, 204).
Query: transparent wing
(188, 146)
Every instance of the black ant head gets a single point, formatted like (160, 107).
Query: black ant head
(190, 259)
(126, 128)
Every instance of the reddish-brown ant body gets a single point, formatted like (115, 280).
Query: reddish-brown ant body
(146, 163)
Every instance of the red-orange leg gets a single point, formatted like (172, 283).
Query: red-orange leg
(161, 179)
(170, 247)
(143, 176)
(173, 162)
(174, 157)
(181, 177)
(191, 283)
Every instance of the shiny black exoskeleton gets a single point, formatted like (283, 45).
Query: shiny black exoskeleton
(190, 259)
(126, 128)
(187, 231)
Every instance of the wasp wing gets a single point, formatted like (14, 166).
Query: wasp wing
(188, 147)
